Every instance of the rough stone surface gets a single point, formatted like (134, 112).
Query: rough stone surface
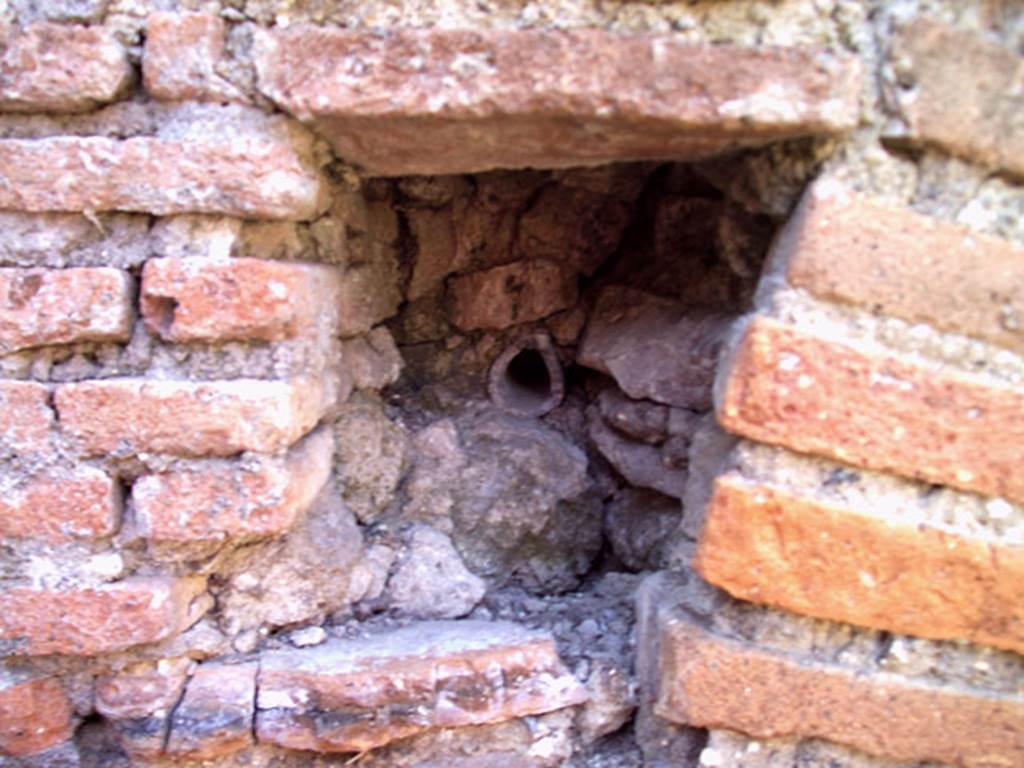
(260, 497)
(35, 715)
(430, 581)
(901, 263)
(59, 505)
(373, 361)
(192, 299)
(640, 464)
(710, 681)
(188, 418)
(450, 101)
(371, 457)
(303, 576)
(640, 524)
(796, 550)
(508, 295)
(256, 167)
(516, 494)
(42, 307)
(343, 696)
(88, 621)
(181, 58)
(863, 406)
(56, 68)
(655, 349)
(215, 715)
(980, 119)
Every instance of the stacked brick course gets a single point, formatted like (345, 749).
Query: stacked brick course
(223, 546)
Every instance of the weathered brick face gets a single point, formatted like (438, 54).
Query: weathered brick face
(408, 385)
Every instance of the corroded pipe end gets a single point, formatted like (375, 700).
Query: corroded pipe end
(526, 379)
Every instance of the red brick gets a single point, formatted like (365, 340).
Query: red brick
(26, 419)
(980, 118)
(260, 168)
(138, 703)
(350, 696)
(63, 306)
(440, 101)
(511, 294)
(90, 620)
(215, 717)
(181, 57)
(872, 409)
(771, 545)
(216, 418)
(904, 264)
(59, 68)
(263, 497)
(58, 505)
(34, 715)
(197, 298)
(710, 681)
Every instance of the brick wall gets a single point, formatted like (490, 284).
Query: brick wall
(262, 267)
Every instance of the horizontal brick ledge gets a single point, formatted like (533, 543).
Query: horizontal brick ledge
(35, 714)
(451, 101)
(60, 68)
(350, 696)
(40, 307)
(260, 175)
(904, 264)
(703, 679)
(87, 621)
(780, 547)
(713, 682)
(213, 503)
(872, 409)
(184, 418)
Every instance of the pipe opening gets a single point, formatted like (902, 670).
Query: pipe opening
(527, 379)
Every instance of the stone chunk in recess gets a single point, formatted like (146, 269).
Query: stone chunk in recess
(655, 349)
(515, 293)
(355, 695)
(443, 101)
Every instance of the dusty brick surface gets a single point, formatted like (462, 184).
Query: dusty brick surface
(508, 295)
(139, 703)
(58, 505)
(57, 68)
(872, 409)
(34, 715)
(216, 714)
(265, 171)
(773, 545)
(41, 307)
(191, 299)
(707, 680)
(181, 57)
(26, 419)
(907, 265)
(356, 695)
(218, 418)
(449, 101)
(960, 92)
(87, 621)
(261, 498)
